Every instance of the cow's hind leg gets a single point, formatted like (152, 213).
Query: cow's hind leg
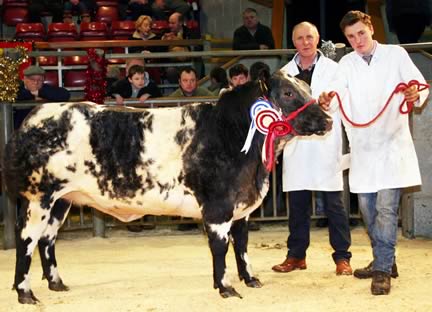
(46, 245)
(31, 222)
(218, 242)
(239, 233)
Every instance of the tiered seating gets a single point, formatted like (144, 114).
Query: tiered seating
(94, 31)
(122, 30)
(107, 14)
(62, 32)
(30, 31)
(74, 79)
(14, 12)
(51, 78)
(159, 27)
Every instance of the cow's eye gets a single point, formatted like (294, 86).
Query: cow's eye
(289, 94)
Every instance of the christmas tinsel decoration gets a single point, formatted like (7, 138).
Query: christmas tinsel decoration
(9, 73)
(95, 77)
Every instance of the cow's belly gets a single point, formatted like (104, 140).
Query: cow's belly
(176, 203)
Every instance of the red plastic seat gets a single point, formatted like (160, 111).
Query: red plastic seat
(74, 78)
(122, 30)
(106, 3)
(75, 60)
(30, 31)
(93, 31)
(14, 12)
(107, 14)
(62, 32)
(47, 60)
(159, 27)
(51, 78)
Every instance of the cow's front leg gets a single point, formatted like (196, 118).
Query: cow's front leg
(47, 246)
(218, 242)
(239, 233)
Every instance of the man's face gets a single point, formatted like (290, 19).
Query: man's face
(33, 82)
(238, 80)
(250, 20)
(174, 23)
(360, 38)
(137, 80)
(305, 39)
(188, 83)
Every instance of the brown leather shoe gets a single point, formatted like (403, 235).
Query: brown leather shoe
(366, 272)
(381, 283)
(290, 264)
(343, 267)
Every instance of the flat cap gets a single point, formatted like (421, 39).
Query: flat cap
(34, 70)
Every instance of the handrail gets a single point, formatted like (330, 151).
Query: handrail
(224, 66)
(116, 43)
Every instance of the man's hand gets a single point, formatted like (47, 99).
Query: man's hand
(119, 100)
(324, 100)
(411, 94)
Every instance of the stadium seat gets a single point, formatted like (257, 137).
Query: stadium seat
(107, 14)
(51, 78)
(93, 31)
(106, 3)
(30, 31)
(75, 60)
(74, 78)
(159, 27)
(61, 32)
(14, 12)
(47, 60)
(122, 30)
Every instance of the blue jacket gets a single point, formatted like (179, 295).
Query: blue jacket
(47, 92)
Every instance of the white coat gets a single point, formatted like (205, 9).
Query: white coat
(382, 154)
(314, 162)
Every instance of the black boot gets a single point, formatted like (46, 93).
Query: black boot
(367, 271)
(381, 283)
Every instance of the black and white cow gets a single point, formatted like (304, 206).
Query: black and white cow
(126, 162)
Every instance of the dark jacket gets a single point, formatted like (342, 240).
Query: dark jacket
(243, 40)
(47, 92)
(136, 36)
(124, 88)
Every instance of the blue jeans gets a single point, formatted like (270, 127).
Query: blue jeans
(380, 214)
(300, 206)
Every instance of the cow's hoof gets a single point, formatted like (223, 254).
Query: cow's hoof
(254, 283)
(230, 292)
(59, 286)
(27, 298)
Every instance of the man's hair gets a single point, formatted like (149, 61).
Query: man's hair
(136, 69)
(238, 69)
(219, 75)
(188, 69)
(305, 23)
(250, 10)
(259, 70)
(180, 17)
(353, 17)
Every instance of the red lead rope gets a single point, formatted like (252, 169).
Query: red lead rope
(277, 129)
(399, 88)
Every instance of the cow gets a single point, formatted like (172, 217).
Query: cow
(129, 162)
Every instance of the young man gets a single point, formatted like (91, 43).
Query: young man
(238, 75)
(188, 85)
(136, 85)
(314, 163)
(383, 158)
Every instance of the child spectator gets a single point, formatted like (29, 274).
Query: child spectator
(136, 85)
(238, 75)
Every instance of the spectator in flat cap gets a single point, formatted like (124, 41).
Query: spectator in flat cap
(33, 88)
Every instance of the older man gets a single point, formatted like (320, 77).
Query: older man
(252, 35)
(314, 163)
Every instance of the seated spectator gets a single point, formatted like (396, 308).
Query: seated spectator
(133, 9)
(219, 80)
(162, 6)
(112, 76)
(143, 32)
(137, 84)
(36, 7)
(33, 88)
(258, 70)
(188, 85)
(238, 75)
(252, 35)
(86, 9)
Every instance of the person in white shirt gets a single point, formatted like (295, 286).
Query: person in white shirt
(383, 157)
(314, 163)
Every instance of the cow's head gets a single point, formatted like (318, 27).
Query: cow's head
(290, 94)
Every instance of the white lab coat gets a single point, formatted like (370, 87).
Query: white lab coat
(382, 154)
(314, 162)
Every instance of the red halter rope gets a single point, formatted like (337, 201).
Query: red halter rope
(399, 88)
(277, 129)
